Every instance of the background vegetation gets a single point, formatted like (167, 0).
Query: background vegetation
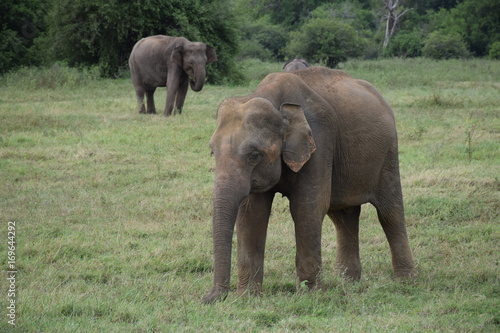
(113, 210)
(87, 33)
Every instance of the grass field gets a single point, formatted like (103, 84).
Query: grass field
(113, 210)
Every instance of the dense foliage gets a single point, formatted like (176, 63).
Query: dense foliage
(20, 23)
(88, 32)
(85, 33)
(471, 23)
(262, 39)
(92, 32)
(476, 21)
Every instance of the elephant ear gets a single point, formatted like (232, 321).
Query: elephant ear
(211, 56)
(304, 61)
(176, 56)
(298, 142)
(286, 63)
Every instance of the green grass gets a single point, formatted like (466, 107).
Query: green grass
(113, 210)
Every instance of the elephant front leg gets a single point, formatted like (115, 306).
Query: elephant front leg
(251, 228)
(181, 94)
(172, 89)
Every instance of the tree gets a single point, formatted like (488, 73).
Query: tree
(392, 17)
(476, 21)
(350, 12)
(288, 12)
(262, 39)
(441, 45)
(481, 24)
(327, 41)
(424, 6)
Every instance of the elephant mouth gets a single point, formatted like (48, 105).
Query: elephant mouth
(259, 188)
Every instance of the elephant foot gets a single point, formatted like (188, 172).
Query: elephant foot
(350, 274)
(218, 293)
(308, 285)
(405, 272)
(254, 290)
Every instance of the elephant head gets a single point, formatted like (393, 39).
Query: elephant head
(193, 57)
(294, 64)
(252, 143)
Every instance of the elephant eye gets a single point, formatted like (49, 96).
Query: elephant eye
(255, 156)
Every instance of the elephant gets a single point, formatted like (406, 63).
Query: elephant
(325, 141)
(294, 64)
(160, 61)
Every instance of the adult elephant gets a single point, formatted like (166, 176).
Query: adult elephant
(326, 141)
(160, 61)
(294, 64)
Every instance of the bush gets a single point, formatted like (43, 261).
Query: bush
(494, 52)
(407, 44)
(325, 41)
(441, 45)
(252, 49)
(57, 76)
(255, 70)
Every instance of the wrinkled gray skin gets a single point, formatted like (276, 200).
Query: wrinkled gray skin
(328, 143)
(294, 64)
(160, 61)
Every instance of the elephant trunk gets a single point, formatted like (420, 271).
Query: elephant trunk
(198, 79)
(226, 205)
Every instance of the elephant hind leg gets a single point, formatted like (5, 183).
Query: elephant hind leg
(390, 211)
(139, 92)
(346, 221)
(391, 217)
(151, 102)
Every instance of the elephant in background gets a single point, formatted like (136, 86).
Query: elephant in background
(294, 64)
(328, 143)
(160, 61)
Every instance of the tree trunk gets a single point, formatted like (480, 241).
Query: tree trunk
(391, 20)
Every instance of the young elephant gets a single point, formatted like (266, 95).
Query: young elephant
(294, 64)
(160, 61)
(327, 142)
